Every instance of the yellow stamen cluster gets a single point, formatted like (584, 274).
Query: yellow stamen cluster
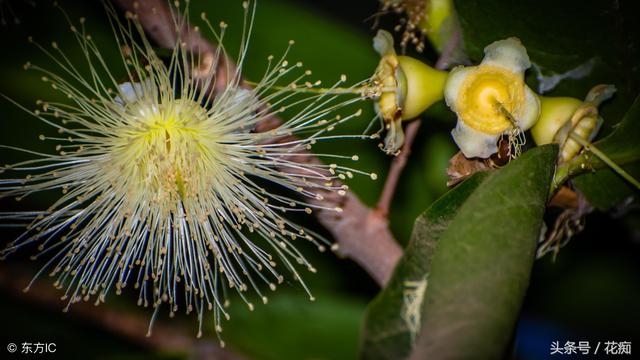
(168, 150)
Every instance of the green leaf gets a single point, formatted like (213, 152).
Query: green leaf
(387, 334)
(481, 266)
(597, 31)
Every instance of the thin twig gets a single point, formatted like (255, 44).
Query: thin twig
(360, 232)
(449, 51)
(395, 169)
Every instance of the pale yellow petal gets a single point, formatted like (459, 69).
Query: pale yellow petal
(530, 111)
(474, 143)
(508, 53)
(454, 83)
(383, 43)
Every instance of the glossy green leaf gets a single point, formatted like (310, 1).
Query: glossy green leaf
(598, 38)
(481, 266)
(388, 332)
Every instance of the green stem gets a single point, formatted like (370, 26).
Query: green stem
(562, 174)
(605, 159)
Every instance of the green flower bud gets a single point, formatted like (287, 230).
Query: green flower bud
(424, 86)
(405, 88)
(437, 21)
(554, 113)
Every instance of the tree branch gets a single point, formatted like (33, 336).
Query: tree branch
(395, 169)
(159, 24)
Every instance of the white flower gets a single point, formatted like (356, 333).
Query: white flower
(491, 99)
(164, 186)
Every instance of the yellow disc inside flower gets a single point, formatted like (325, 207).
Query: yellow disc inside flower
(172, 146)
(490, 95)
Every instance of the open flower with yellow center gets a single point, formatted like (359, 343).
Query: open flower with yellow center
(168, 188)
(491, 99)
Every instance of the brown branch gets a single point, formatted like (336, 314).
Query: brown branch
(362, 234)
(448, 53)
(395, 169)
(159, 24)
(158, 21)
(130, 326)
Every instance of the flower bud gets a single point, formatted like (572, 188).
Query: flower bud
(584, 123)
(554, 113)
(437, 22)
(424, 86)
(560, 117)
(405, 88)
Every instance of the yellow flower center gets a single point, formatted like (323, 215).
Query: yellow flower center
(167, 151)
(490, 97)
